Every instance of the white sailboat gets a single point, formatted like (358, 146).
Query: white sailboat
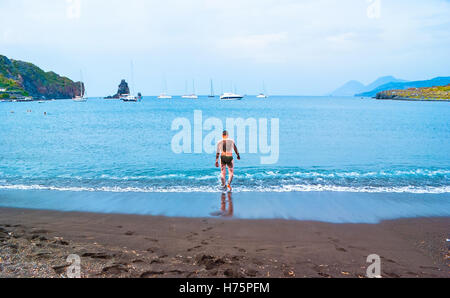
(263, 94)
(193, 95)
(81, 97)
(164, 93)
(130, 97)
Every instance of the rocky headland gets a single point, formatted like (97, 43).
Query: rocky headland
(20, 80)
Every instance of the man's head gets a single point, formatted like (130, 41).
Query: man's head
(225, 134)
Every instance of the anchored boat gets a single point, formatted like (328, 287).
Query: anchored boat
(81, 97)
(231, 96)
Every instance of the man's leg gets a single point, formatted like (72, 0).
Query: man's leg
(223, 175)
(231, 173)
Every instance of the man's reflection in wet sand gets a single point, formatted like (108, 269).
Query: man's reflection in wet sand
(226, 201)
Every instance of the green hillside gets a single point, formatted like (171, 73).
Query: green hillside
(428, 93)
(439, 81)
(26, 79)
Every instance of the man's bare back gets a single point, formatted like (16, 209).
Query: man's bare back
(225, 152)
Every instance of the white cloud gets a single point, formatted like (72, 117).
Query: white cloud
(258, 47)
(342, 41)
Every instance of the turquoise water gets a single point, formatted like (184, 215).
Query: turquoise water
(327, 145)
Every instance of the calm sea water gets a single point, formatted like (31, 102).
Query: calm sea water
(329, 145)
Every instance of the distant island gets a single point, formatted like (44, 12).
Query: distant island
(25, 81)
(436, 93)
(389, 87)
(354, 87)
(439, 81)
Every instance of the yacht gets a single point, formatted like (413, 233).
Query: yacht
(128, 97)
(81, 97)
(190, 96)
(164, 96)
(231, 96)
(262, 95)
(164, 93)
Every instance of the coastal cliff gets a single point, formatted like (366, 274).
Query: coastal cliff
(437, 93)
(20, 79)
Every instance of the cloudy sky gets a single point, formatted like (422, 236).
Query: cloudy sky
(305, 47)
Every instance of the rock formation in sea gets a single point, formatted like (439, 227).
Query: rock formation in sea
(123, 89)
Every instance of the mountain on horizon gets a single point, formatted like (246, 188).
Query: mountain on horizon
(355, 87)
(438, 81)
(349, 89)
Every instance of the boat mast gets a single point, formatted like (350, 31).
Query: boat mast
(132, 78)
(164, 85)
(81, 85)
(212, 88)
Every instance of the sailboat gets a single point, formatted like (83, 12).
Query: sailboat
(211, 95)
(81, 97)
(193, 95)
(263, 94)
(129, 97)
(164, 93)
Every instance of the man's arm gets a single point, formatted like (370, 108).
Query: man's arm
(218, 155)
(217, 160)
(237, 152)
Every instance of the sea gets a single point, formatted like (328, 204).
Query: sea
(339, 159)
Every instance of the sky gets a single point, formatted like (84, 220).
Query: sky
(296, 47)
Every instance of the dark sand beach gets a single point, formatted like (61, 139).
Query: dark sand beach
(37, 243)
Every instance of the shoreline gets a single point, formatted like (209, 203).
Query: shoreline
(411, 99)
(36, 243)
(331, 207)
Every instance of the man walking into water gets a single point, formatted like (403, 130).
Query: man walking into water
(225, 152)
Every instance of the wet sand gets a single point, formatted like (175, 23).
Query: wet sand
(36, 244)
